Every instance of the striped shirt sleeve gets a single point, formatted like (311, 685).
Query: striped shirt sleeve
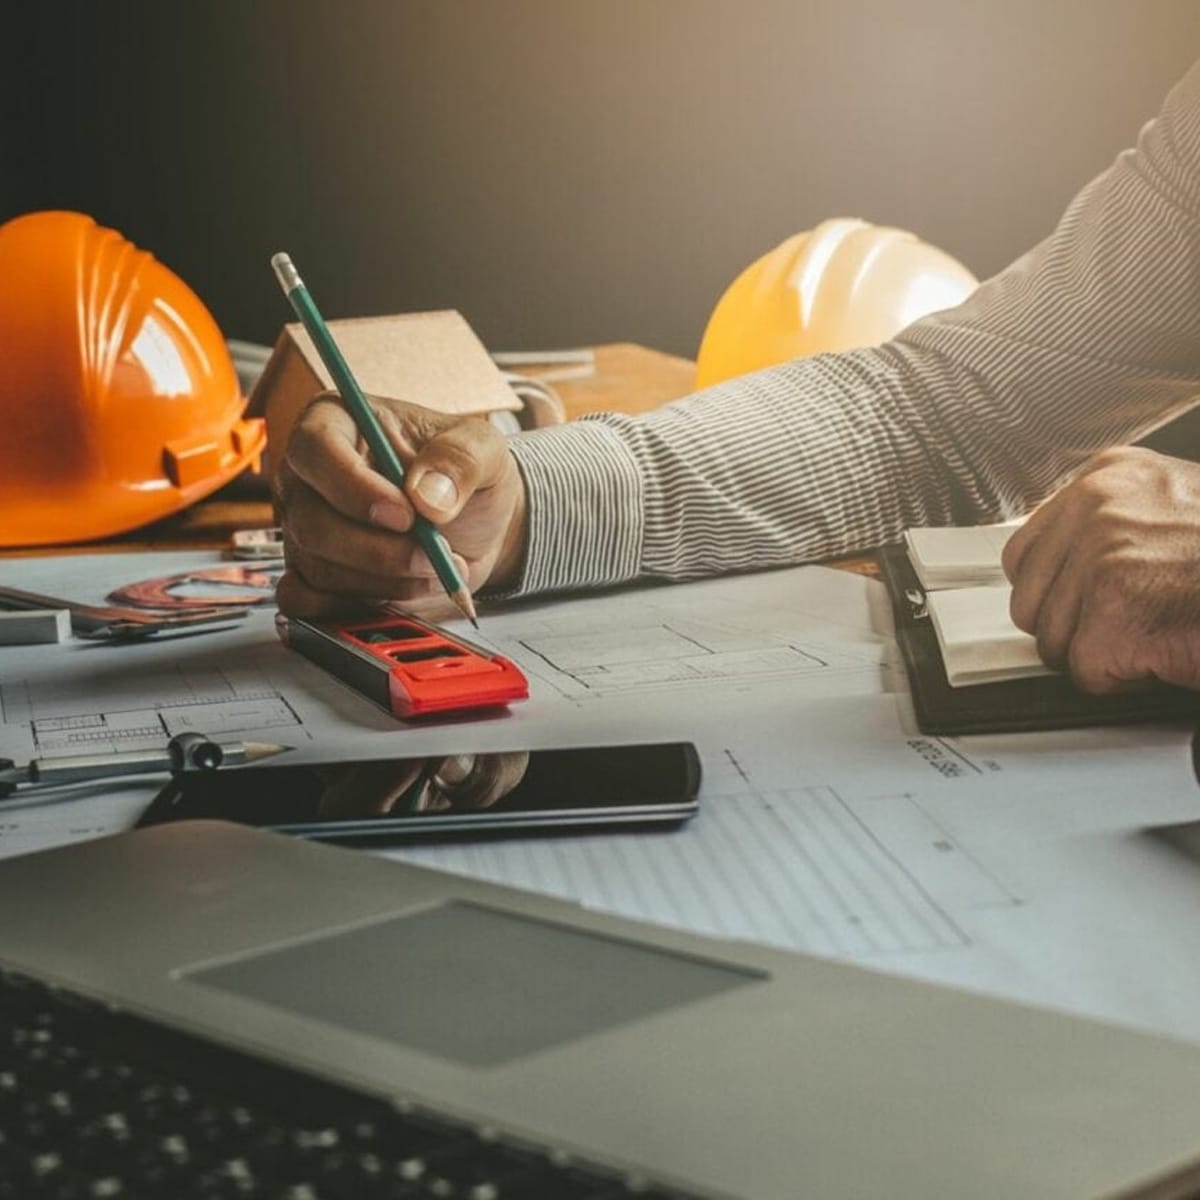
(971, 415)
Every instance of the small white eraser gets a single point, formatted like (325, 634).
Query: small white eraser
(34, 625)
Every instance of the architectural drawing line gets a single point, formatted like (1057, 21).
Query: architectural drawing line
(873, 839)
(951, 748)
(1011, 899)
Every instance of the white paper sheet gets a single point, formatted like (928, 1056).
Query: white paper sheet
(978, 639)
(241, 683)
(1013, 864)
(642, 663)
(950, 556)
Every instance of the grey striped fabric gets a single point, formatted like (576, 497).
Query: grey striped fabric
(970, 415)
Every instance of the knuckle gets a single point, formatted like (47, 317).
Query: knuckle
(291, 595)
(1052, 646)
(299, 442)
(297, 534)
(297, 599)
(1120, 459)
(1089, 664)
(1092, 489)
(1022, 610)
(1010, 556)
(304, 519)
(321, 402)
(318, 573)
(305, 447)
(1109, 457)
(300, 561)
(407, 424)
(315, 416)
(1121, 468)
(397, 424)
(283, 486)
(466, 448)
(452, 458)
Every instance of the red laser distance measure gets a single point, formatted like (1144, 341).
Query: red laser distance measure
(408, 667)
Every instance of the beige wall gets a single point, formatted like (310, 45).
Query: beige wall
(568, 171)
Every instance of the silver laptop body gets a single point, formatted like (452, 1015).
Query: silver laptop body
(725, 1068)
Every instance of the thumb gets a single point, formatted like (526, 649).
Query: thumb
(452, 466)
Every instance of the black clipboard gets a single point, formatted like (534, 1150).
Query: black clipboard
(1013, 705)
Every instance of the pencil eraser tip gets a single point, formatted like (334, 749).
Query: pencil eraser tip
(285, 271)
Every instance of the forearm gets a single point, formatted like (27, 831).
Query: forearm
(970, 415)
(817, 458)
(793, 463)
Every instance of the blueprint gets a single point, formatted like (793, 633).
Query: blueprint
(139, 712)
(642, 662)
(717, 643)
(665, 650)
(1015, 864)
(810, 632)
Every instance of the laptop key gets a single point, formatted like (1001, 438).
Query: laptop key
(489, 1171)
(99, 1105)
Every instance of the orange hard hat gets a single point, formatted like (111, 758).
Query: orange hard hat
(119, 403)
(839, 286)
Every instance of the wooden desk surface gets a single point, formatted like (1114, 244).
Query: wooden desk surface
(628, 378)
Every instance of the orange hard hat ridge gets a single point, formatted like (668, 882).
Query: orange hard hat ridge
(118, 397)
(842, 285)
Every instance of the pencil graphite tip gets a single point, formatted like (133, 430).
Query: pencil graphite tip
(257, 750)
(285, 272)
(462, 597)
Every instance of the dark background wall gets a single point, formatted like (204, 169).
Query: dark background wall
(562, 171)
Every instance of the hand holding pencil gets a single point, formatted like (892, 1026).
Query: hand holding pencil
(353, 531)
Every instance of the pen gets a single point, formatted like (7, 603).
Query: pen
(386, 460)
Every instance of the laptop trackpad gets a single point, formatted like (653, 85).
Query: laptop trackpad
(475, 985)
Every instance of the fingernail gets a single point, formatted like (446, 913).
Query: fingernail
(438, 490)
(456, 768)
(390, 515)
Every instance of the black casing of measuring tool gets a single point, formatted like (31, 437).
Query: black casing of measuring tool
(409, 667)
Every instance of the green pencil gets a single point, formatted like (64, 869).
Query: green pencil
(386, 460)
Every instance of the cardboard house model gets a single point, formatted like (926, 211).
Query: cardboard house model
(432, 358)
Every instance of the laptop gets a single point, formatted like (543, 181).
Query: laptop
(627, 1058)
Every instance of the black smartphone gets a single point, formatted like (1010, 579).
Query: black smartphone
(456, 795)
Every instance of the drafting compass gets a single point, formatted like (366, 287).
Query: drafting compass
(184, 752)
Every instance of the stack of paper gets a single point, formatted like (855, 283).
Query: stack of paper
(979, 642)
(950, 557)
(967, 599)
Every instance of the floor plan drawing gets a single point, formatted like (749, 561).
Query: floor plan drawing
(807, 868)
(663, 650)
(141, 711)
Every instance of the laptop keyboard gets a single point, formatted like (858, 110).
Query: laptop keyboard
(100, 1105)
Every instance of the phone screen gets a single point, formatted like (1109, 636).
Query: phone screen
(451, 795)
